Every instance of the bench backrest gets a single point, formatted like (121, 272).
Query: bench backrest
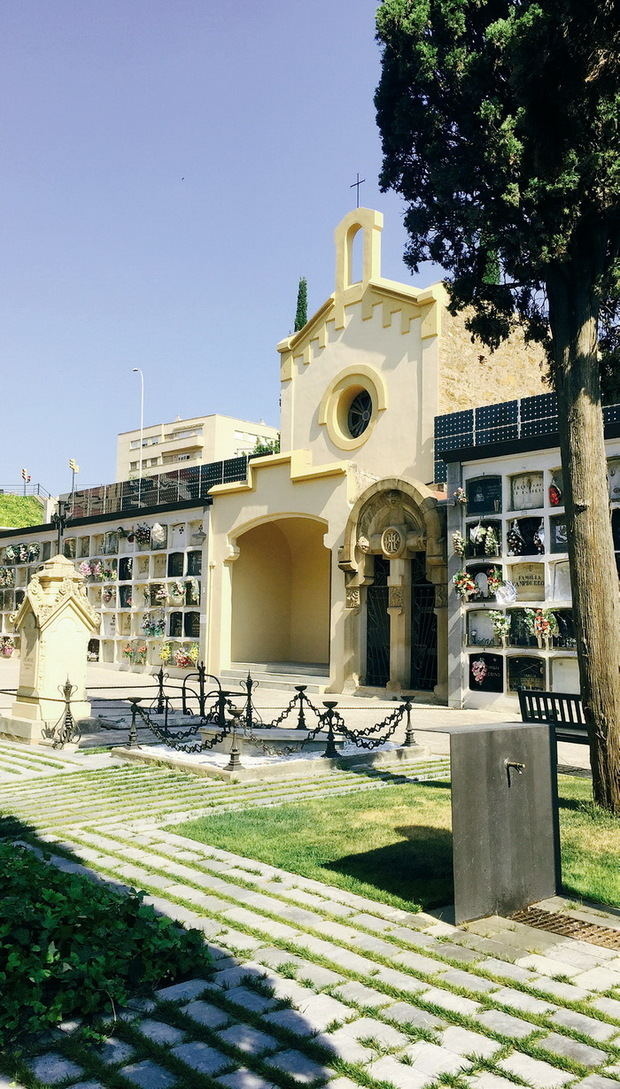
(560, 708)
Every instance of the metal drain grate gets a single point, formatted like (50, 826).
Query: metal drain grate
(569, 927)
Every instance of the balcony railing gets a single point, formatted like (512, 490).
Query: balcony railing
(159, 490)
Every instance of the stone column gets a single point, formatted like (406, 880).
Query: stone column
(441, 612)
(399, 608)
(55, 622)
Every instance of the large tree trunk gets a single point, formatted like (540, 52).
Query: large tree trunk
(594, 579)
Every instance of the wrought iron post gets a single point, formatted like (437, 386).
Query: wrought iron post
(235, 760)
(161, 699)
(249, 710)
(201, 670)
(301, 716)
(69, 729)
(59, 520)
(409, 738)
(222, 696)
(330, 748)
(133, 729)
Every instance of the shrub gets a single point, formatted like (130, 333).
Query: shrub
(70, 946)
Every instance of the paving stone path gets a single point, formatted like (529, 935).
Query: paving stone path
(313, 985)
(18, 762)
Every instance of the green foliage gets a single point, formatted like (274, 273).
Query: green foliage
(20, 511)
(301, 314)
(499, 127)
(71, 947)
(269, 446)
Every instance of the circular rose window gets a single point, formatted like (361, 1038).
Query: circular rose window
(360, 413)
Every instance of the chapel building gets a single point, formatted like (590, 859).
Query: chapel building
(331, 556)
(329, 561)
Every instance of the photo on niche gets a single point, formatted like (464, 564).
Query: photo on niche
(486, 672)
(484, 495)
(558, 533)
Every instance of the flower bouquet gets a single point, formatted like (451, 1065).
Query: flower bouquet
(491, 542)
(161, 595)
(7, 646)
(177, 591)
(165, 653)
(495, 579)
(142, 533)
(459, 496)
(85, 569)
(458, 543)
(7, 578)
(464, 584)
(33, 552)
(11, 553)
(139, 655)
(96, 569)
(501, 625)
(542, 623)
(186, 657)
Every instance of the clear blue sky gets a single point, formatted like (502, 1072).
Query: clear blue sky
(170, 169)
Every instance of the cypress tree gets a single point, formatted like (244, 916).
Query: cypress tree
(301, 315)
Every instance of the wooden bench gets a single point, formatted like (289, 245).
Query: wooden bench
(562, 709)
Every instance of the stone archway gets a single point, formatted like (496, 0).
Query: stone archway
(394, 562)
(281, 593)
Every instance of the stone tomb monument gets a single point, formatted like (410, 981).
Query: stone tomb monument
(55, 621)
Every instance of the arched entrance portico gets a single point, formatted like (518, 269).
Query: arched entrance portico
(394, 562)
(281, 593)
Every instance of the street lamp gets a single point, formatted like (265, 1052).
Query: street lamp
(73, 465)
(137, 370)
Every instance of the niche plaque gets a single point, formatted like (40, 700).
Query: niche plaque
(486, 672)
(527, 491)
(529, 580)
(524, 672)
(484, 495)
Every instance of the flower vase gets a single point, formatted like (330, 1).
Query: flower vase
(7, 652)
(539, 640)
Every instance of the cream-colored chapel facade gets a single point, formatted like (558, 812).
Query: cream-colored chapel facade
(333, 552)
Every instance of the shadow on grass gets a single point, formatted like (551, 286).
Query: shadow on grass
(418, 868)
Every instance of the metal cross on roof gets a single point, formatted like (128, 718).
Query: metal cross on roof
(356, 185)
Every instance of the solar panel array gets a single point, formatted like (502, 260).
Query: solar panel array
(504, 422)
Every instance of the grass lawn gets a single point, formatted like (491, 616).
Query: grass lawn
(395, 844)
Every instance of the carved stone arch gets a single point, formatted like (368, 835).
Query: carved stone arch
(391, 502)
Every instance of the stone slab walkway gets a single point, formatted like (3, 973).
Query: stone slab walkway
(312, 985)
